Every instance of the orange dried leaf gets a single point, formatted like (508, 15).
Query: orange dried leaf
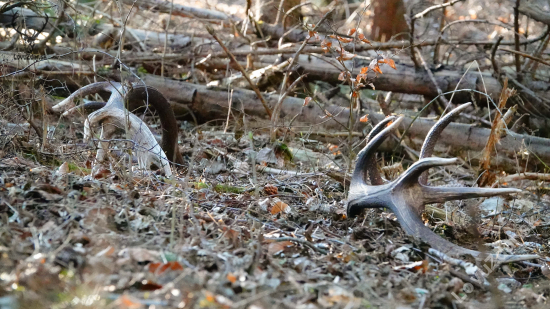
(345, 75)
(391, 63)
(278, 207)
(210, 297)
(351, 31)
(128, 302)
(364, 70)
(325, 45)
(332, 147)
(345, 40)
(377, 69)
(231, 278)
(362, 38)
(354, 94)
(365, 118)
(278, 246)
(344, 55)
(307, 100)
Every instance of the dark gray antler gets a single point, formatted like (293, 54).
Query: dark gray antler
(408, 193)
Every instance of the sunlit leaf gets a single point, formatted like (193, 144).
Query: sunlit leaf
(391, 63)
(231, 278)
(279, 206)
(345, 40)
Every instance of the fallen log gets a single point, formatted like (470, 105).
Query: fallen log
(534, 11)
(405, 79)
(212, 103)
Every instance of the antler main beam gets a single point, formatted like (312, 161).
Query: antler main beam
(114, 114)
(408, 194)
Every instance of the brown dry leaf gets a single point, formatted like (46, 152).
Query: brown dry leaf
(233, 236)
(63, 169)
(231, 278)
(306, 101)
(362, 38)
(345, 75)
(140, 255)
(420, 266)
(359, 77)
(279, 206)
(278, 246)
(106, 252)
(344, 55)
(327, 114)
(345, 40)
(351, 31)
(377, 69)
(391, 63)
(102, 173)
(128, 302)
(326, 45)
(270, 189)
(365, 118)
(160, 268)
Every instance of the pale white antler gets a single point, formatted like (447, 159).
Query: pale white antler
(113, 115)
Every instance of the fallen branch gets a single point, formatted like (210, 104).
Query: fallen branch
(524, 176)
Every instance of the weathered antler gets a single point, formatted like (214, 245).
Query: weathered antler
(408, 194)
(114, 113)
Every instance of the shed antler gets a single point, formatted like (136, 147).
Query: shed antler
(114, 113)
(407, 195)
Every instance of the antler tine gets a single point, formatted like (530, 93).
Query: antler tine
(370, 167)
(379, 127)
(434, 133)
(86, 90)
(412, 225)
(366, 162)
(413, 173)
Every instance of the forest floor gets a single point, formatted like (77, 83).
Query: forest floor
(207, 239)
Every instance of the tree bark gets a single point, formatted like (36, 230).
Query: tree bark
(388, 19)
(465, 140)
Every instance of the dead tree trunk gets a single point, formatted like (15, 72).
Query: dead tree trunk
(388, 19)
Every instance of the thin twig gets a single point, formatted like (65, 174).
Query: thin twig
(240, 68)
(516, 40)
(517, 53)
(493, 53)
(284, 92)
(433, 8)
(166, 40)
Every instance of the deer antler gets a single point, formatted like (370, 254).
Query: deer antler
(114, 113)
(407, 195)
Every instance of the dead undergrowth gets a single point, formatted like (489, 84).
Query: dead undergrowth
(215, 236)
